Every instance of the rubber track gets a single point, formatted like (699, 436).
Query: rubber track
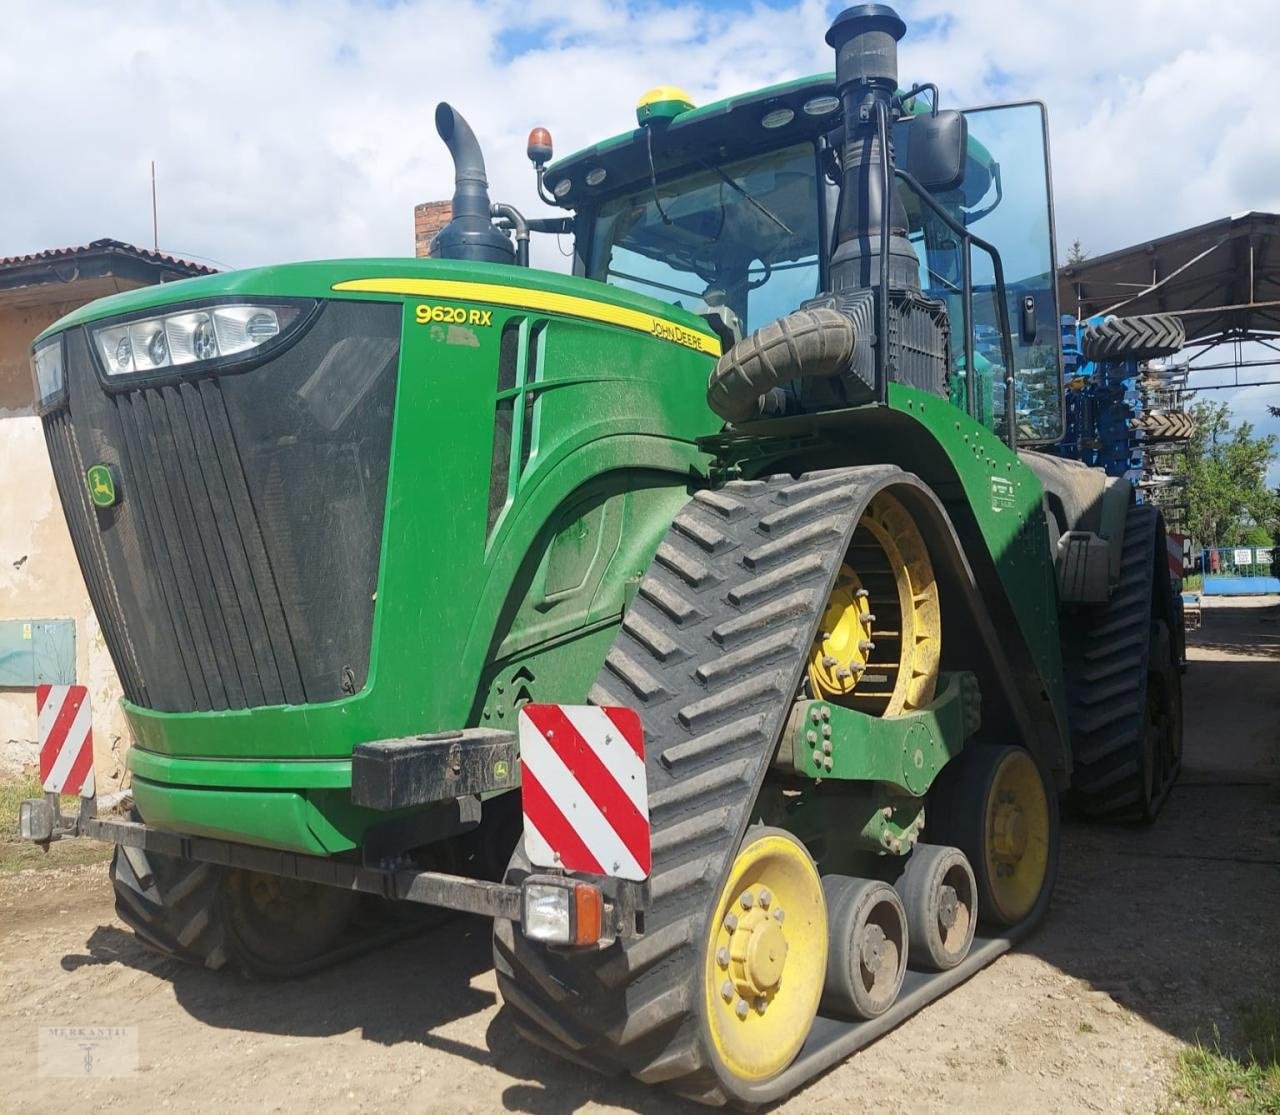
(180, 915)
(1143, 337)
(711, 654)
(177, 913)
(1106, 657)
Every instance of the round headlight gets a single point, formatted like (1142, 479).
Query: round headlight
(778, 118)
(821, 106)
(596, 175)
(261, 327)
(562, 187)
(158, 348)
(203, 342)
(124, 355)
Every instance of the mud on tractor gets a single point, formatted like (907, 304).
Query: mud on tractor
(769, 471)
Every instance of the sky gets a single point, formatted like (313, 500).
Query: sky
(303, 129)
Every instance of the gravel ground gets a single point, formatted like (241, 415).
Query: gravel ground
(1157, 937)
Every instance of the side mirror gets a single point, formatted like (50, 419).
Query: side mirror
(936, 147)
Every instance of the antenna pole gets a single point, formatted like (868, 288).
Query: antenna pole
(155, 225)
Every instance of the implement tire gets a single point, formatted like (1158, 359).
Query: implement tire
(1145, 337)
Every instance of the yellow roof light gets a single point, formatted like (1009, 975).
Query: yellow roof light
(662, 103)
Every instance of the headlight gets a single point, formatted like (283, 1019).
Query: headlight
(191, 336)
(47, 372)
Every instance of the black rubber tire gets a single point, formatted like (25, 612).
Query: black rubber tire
(854, 908)
(817, 342)
(1108, 658)
(711, 654)
(930, 868)
(290, 932)
(176, 911)
(956, 815)
(1165, 425)
(1144, 337)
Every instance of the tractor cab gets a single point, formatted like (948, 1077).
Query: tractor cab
(729, 211)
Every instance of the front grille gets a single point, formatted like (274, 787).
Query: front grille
(239, 567)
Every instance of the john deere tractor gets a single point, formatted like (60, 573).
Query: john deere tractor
(768, 474)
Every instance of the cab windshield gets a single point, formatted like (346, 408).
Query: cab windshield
(737, 239)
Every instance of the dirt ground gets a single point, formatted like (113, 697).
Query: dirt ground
(1156, 938)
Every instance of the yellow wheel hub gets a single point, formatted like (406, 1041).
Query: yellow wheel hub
(880, 639)
(1017, 835)
(766, 956)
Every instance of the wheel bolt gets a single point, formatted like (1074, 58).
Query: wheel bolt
(726, 989)
(843, 673)
(868, 617)
(817, 756)
(828, 764)
(811, 738)
(826, 731)
(761, 1003)
(766, 897)
(741, 1009)
(813, 715)
(828, 661)
(731, 922)
(866, 644)
(826, 713)
(862, 594)
(747, 899)
(778, 915)
(826, 747)
(722, 957)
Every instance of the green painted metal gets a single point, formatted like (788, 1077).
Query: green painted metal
(905, 752)
(289, 821)
(472, 617)
(241, 773)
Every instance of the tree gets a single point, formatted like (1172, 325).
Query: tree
(1226, 469)
(1076, 253)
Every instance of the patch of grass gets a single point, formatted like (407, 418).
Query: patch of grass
(1210, 1079)
(17, 855)
(1193, 582)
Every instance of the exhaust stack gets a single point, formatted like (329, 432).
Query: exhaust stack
(470, 235)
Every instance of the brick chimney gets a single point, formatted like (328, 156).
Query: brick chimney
(428, 219)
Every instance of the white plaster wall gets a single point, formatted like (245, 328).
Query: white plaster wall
(39, 575)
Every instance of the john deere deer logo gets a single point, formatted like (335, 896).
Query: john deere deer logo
(102, 486)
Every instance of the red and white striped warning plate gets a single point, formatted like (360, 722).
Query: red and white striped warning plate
(586, 801)
(64, 727)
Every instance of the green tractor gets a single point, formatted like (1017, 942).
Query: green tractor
(768, 477)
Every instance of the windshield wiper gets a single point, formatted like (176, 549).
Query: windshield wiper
(734, 186)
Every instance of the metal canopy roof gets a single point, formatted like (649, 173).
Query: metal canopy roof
(1222, 279)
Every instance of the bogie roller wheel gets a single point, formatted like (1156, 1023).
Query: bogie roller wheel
(993, 804)
(939, 894)
(765, 955)
(869, 943)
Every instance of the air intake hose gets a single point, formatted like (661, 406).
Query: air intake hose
(816, 342)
